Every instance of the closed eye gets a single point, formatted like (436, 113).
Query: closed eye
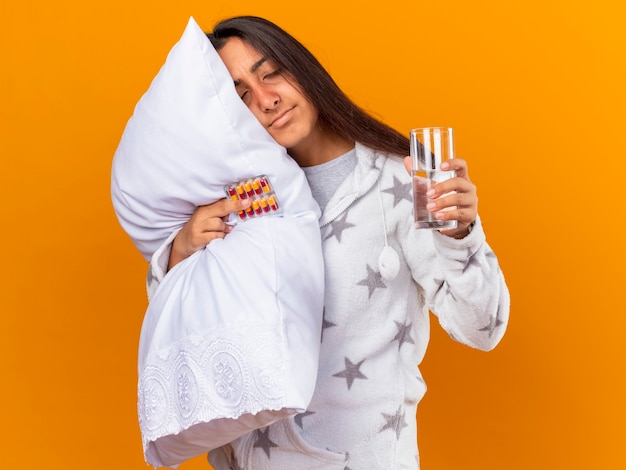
(245, 96)
(272, 74)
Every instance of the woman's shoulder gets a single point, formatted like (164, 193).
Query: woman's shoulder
(391, 165)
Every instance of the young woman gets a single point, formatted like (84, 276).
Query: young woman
(382, 275)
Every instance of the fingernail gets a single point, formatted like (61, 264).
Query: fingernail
(430, 192)
(445, 165)
(430, 206)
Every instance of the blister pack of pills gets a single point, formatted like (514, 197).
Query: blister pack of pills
(260, 191)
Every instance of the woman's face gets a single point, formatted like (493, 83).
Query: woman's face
(275, 100)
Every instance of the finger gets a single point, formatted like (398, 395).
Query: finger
(408, 164)
(215, 229)
(224, 207)
(458, 165)
(451, 201)
(463, 216)
(214, 224)
(212, 216)
(217, 215)
(459, 185)
(211, 236)
(455, 206)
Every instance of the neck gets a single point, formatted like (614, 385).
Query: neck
(321, 147)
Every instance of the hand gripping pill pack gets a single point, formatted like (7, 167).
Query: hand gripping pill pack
(259, 190)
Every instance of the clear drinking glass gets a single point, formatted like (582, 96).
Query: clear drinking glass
(430, 147)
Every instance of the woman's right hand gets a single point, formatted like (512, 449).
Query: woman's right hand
(206, 224)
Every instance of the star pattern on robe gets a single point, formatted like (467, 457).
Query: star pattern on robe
(400, 191)
(351, 372)
(395, 422)
(491, 254)
(325, 324)
(347, 458)
(404, 334)
(263, 441)
(373, 281)
(440, 283)
(337, 227)
(449, 292)
(494, 322)
(472, 260)
(299, 417)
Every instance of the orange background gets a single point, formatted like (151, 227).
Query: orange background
(536, 93)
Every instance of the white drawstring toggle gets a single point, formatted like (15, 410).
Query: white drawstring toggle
(388, 260)
(388, 263)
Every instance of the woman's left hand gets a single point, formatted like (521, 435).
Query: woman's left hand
(463, 199)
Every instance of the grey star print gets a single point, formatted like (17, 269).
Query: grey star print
(299, 417)
(440, 283)
(404, 334)
(337, 227)
(472, 260)
(399, 191)
(449, 292)
(351, 372)
(325, 324)
(263, 441)
(491, 254)
(395, 422)
(373, 281)
(494, 322)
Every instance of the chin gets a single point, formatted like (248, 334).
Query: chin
(287, 141)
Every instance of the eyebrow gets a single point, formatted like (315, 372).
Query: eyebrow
(257, 64)
(253, 69)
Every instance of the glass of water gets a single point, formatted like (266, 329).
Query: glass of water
(430, 147)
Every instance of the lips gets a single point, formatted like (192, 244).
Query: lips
(281, 119)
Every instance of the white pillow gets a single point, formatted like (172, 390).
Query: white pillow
(230, 340)
(191, 134)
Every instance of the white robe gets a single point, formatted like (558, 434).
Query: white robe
(376, 328)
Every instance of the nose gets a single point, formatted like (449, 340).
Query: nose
(267, 98)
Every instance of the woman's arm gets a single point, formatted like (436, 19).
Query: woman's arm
(205, 225)
(462, 281)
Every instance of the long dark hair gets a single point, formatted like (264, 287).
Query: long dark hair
(336, 111)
